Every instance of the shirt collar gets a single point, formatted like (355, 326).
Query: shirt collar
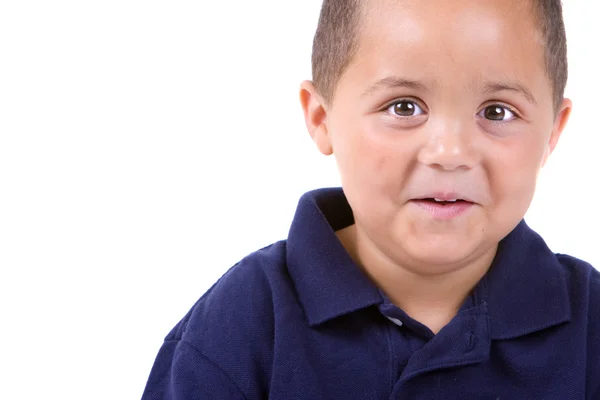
(524, 291)
(328, 282)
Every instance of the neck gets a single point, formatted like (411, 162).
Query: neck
(432, 299)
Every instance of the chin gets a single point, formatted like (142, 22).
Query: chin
(440, 263)
(440, 254)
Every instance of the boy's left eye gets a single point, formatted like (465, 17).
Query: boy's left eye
(497, 112)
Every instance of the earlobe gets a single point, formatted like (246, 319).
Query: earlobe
(315, 117)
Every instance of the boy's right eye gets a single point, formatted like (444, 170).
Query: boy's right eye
(405, 108)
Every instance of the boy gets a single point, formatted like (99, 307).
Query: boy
(418, 280)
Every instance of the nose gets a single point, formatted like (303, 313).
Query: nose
(449, 147)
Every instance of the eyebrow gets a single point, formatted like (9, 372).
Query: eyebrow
(493, 87)
(395, 82)
(488, 88)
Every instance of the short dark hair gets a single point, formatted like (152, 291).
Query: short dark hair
(337, 40)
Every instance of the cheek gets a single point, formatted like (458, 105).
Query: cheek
(373, 165)
(514, 177)
(370, 156)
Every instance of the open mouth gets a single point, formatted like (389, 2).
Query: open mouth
(444, 202)
(441, 202)
(443, 209)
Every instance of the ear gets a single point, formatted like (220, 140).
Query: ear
(559, 125)
(315, 116)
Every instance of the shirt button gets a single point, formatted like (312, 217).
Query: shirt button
(472, 341)
(396, 321)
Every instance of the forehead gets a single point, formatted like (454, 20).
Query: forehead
(457, 42)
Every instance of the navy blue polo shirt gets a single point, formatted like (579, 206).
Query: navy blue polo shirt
(299, 320)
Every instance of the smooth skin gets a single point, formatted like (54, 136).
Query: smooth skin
(442, 97)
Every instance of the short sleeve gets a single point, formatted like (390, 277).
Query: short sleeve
(182, 372)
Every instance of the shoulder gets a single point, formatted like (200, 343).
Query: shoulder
(583, 281)
(580, 274)
(243, 293)
(584, 292)
(223, 347)
(232, 324)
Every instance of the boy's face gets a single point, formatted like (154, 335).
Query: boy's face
(446, 99)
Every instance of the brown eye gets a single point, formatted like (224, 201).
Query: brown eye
(405, 108)
(498, 113)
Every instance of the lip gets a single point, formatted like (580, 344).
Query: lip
(446, 196)
(441, 211)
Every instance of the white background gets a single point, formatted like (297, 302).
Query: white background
(146, 146)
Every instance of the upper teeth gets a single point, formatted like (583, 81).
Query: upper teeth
(450, 201)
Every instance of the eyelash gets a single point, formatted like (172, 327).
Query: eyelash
(516, 114)
(500, 104)
(401, 100)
